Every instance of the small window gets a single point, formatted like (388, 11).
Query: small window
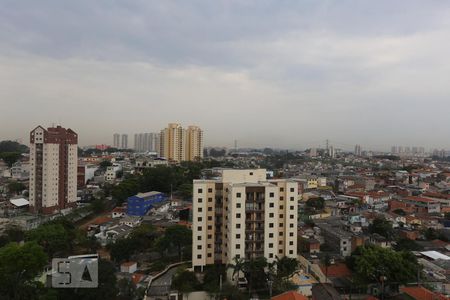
(281, 233)
(199, 228)
(292, 198)
(209, 246)
(271, 215)
(291, 234)
(238, 246)
(251, 173)
(238, 226)
(238, 236)
(291, 225)
(238, 195)
(209, 199)
(199, 238)
(199, 256)
(291, 251)
(209, 227)
(281, 206)
(270, 255)
(199, 209)
(281, 216)
(270, 225)
(238, 205)
(281, 224)
(200, 191)
(270, 245)
(271, 195)
(209, 218)
(270, 235)
(271, 204)
(209, 236)
(291, 207)
(199, 219)
(281, 198)
(291, 243)
(280, 251)
(292, 190)
(199, 247)
(281, 189)
(210, 190)
(291, 216)
(238, 216)
(210, 208)
(200, 200)
(209, 255)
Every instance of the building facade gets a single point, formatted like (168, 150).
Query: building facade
(179, 144)
(53, 169)
(243, 215)
(124, 141)
(116, 140)
(141, 203)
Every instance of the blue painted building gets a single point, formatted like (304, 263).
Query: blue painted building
(140, 204)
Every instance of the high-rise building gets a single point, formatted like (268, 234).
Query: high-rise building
(124, 144)
(194, 145)
(53, 169)
(358, 150)
(178, 144)
(144, 142)
(173, 143)
(116, 143)
(243, 215)
(394, 149)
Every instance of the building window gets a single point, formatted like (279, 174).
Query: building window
(291, 225)
(270, 235)
(210, 208)
(199, 209)
(271, 215)
(291, 234)
(280, 251)
(237, 255)
(291, 207)
(281, 216)
(238, 226)
(291, 243)
(200, 200)
(270, 225)
(199, 238)
(199, 247)
(209, 255)
(209, 218)
(291, 251)
(209, 246)
(251, 173)
(199, 228)
(199, 256)
(238, 195)
(281, 233)
(238, 246)
(238, 216)
(209, 199)
(292, 190)
(292, 198)
(199, 219)
(271, 204)
(200, 191)
(280, 242)
(238, 236)
(209, 190)
(270, 255)
(238, 205)
(270, 245)
(209, 236)
(271, 195)
(291, 216)
(209, 227)
(281, 198)
(281, 206)
(281, 189)
(281, 224)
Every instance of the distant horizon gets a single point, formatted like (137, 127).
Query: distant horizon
(290, 74)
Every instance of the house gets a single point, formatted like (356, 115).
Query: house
(421, 293)
(291, 295)
(118, 212)
(325, 291)
(128, 267)
(379, 240)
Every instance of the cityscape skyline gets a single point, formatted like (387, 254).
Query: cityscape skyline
(288, 74)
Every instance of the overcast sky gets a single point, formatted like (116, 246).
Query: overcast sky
(267, 73)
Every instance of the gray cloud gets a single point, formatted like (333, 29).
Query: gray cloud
(277, 73)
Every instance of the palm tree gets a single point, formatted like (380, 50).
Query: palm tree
(237, 266)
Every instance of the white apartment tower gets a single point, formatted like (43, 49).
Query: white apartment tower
(124, 141)
(243, 215)
(53, 169)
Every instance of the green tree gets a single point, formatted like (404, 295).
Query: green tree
(178, 237)
(15, 187)
(12, 146)
(373, 262)
(10, 157)
(211, 280)
(104, 164)
(316, 203)
(404, 244)
(19, 265)
(185, 282)
(144, 237)
(185, 190)
(121, 250)
(326, 263)
(98, 205)
(381, 226)
(431, 234)
(127, 289)
(237, 266)
(52, 237)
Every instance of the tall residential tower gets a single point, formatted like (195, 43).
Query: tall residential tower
(53, 169)
(179, 144)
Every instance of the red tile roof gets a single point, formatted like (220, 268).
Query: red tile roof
(290, 296)
(421, 293)
(337, 270)
(419, 199)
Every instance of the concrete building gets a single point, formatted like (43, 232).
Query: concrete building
(124, 141)
(358, 150)
(53, 169)
(243, 215)
(116, 142)
(146, 142)
(194, 147)
(141, 203)
(178, 144)
(337, 238)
